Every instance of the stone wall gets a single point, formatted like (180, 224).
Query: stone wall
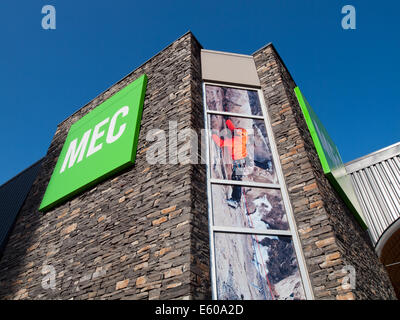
(142, 234)
(330, 236)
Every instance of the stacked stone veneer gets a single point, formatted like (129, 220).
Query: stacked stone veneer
(330, 236)
(142, 234)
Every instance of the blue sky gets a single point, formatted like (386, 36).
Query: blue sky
(350, 77)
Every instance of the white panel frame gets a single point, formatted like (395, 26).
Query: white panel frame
(292, 232)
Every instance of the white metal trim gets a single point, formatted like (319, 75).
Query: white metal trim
(234, 114)
(386, 236)
(228, 85)
(240, 230)
(213, 277)
(245, 183)
(227, 53)
(373, 158)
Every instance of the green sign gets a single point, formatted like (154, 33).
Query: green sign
(330, 158)
(98, 145)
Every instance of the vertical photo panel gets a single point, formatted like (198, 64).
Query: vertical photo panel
(255, 267)
(248, 207)
(225, 99)
(240, 150)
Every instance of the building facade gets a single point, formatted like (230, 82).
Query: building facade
(251, 215)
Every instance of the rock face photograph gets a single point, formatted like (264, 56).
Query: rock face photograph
(256, 267)
(258, 208)
(237, 140)
(233, 100)
(249, 265)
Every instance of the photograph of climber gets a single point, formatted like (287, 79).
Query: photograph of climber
(239, 147)
(248, 266)
(236, 147)
(256, 267)
(258, 208)
(240, 150)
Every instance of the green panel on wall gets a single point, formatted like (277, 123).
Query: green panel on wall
(330, 158)
(98, 145)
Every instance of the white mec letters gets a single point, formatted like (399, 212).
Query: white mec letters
(73, 152)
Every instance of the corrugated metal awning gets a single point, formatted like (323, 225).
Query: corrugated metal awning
(376, 178)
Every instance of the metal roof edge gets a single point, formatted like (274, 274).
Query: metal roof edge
(373, 158)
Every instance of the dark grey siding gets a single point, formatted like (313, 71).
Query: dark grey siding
(12, 196)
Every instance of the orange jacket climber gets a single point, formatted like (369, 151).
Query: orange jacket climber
(237, 144)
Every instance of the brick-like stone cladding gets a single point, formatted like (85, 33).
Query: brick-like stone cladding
(330, 236)
(142, 234)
